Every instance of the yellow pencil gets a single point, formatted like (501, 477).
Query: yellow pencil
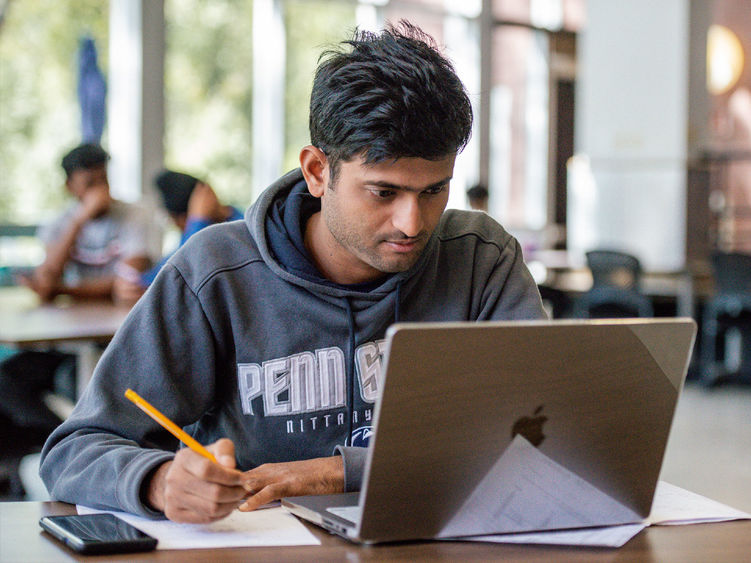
(176, 431)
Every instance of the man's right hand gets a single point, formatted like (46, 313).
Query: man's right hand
(95, 201)
(194, 489)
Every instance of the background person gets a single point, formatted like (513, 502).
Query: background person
(477, 196)
(192, 206)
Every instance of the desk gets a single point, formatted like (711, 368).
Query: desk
(22, 540)
(26, 323)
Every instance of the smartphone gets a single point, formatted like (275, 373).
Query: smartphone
(97, 533)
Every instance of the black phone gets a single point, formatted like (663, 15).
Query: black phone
(97, 533)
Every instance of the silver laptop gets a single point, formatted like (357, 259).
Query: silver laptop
(496, 427)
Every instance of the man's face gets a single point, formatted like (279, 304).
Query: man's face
(84, 180)
(377, 218)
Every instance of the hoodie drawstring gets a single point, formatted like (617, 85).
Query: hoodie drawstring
(351, 358)
(350, 369)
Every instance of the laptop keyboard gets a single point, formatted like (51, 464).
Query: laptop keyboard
(351, 513)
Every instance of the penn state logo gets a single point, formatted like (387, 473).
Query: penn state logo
(361, 436)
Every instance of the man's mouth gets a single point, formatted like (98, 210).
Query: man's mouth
(403, 245)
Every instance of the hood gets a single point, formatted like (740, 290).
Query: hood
(263, 225)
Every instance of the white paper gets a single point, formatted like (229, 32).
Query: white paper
(270, 527)
(608, 536)
(526, 490)
(674, 506)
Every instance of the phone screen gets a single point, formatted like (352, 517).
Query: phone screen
(97, 533)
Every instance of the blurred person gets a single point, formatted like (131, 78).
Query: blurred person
(477, 196)
(87, 242)
(263, 337)
(83, 245)
(192, 206)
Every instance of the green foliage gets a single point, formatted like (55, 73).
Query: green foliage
(312, 26)
(39, 116)
(208, 93)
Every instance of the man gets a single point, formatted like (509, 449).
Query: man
(84, 245)
(264, 338)
(477, 196)
(192, 205)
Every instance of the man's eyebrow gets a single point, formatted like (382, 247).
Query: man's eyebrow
(391, 186)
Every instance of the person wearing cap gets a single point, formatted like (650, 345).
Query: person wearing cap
(192, 205)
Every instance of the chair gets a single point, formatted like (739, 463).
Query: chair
(729, 308)
(615, 287)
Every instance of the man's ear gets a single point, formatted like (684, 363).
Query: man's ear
(315, 169)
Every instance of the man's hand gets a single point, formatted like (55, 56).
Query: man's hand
(94, 202)
(44, 286)
(272, 481)
(191, 488)
(204, 204)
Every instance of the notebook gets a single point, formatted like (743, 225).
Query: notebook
(496, 427)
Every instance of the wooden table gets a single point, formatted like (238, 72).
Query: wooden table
(81, 326)
(21, 539)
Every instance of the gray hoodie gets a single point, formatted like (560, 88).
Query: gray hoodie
(230, 341)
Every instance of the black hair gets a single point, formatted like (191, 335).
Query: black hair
(477, 191)
(175, 189)
(390, 95)
(83, 157)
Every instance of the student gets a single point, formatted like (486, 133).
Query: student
(86, 243)
(192, 205)
(478, 198)
(84, 246)
(263, 337)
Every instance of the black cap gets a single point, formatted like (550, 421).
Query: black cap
(176, 189)
(83, 157)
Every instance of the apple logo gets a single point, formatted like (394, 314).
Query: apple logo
(531, 427)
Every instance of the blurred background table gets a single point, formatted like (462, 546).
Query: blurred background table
(78, 326)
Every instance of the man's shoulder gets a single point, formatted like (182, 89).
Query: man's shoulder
(218, 248)
(457, 224)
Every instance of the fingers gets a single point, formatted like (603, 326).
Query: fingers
(199, 490)
(272, 481)
(224, 452)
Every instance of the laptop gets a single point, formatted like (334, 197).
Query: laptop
(496, 427)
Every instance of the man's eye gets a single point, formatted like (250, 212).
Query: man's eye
(383, 193)
(435, 190)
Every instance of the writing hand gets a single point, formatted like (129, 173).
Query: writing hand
(191, 488)
(272, 481)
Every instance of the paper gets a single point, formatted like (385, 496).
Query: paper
(270, 527)
(674, 506)
(525, 491)
(608, 536)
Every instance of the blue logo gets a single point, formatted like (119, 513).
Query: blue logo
(361, 436)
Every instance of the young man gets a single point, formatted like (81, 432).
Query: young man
(192, 205)
(264, 338)
(86, 243)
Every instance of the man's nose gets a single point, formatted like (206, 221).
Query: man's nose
(408, 215)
